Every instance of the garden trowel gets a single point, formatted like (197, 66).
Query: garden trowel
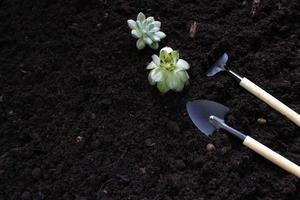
(255, 90)
(208, 116)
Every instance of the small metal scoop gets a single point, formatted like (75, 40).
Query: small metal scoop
(208, 116)
(219, 66)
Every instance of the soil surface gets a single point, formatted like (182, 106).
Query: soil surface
(80, 121)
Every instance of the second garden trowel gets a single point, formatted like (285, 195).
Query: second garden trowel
(208, 116)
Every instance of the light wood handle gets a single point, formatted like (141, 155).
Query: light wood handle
(272, 156)
(270, 100)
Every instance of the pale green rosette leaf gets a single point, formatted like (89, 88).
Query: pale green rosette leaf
(182, 65)
(162, 86)
(167, 49)
(160, 34)
(139, 25)
(148, 40)
(149, 28)
(156, 74)
(180, 87)
(156, 38)
(183, 76)
(156, 60)
(150, 19)
(136, 34)
(132, 24)
(151, 65)
(156, 24)
(140, 44)
(151, 81)
(141, 17)
(174, 82)
(154, 45)
(154, 30)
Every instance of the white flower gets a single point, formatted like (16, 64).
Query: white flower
(146, 30)
(168, 71)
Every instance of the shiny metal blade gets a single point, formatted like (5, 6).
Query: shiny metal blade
(200, 111)
(218, 66)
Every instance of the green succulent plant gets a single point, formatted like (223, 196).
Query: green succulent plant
(146, 30)
(168, 71)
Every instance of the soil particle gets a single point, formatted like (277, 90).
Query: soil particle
(210, 147)
(175, 180)
(179, 164)
(193, 29)
(173, 127)
(261, 121)
(198, 161)
(149, 142)
(123, 178)
(59, 168)
(95, 144)
(105, 102)
(143, 170)
(166, 197)
(225, 149)
(79, 139)
(103, 195)
(80, 198)
(26, 195)
(35, 136)
(36, 173)
(93, 116)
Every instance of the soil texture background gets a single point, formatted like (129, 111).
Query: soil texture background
(79, 120)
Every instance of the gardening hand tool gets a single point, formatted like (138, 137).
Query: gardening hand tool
(256, 90)
(208, 116)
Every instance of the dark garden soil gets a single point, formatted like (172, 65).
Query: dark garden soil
(79, 119)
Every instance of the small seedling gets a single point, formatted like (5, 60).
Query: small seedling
(146, 30)
(168, 71)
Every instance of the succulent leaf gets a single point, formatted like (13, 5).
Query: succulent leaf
(148, 40)
(182, 65)
(150, 19)
(141, 17)
(160, 34)
(156, 24)
(183, 75)
(156, 74)
(154, 29)
(162, 86)
(132, 24)
(156, 38)
(140, 44)
(154, 45)
(156, 60)
(151, 65)
(136, 34)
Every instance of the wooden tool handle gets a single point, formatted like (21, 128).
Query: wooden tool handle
(272, 156)
(270, 100)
